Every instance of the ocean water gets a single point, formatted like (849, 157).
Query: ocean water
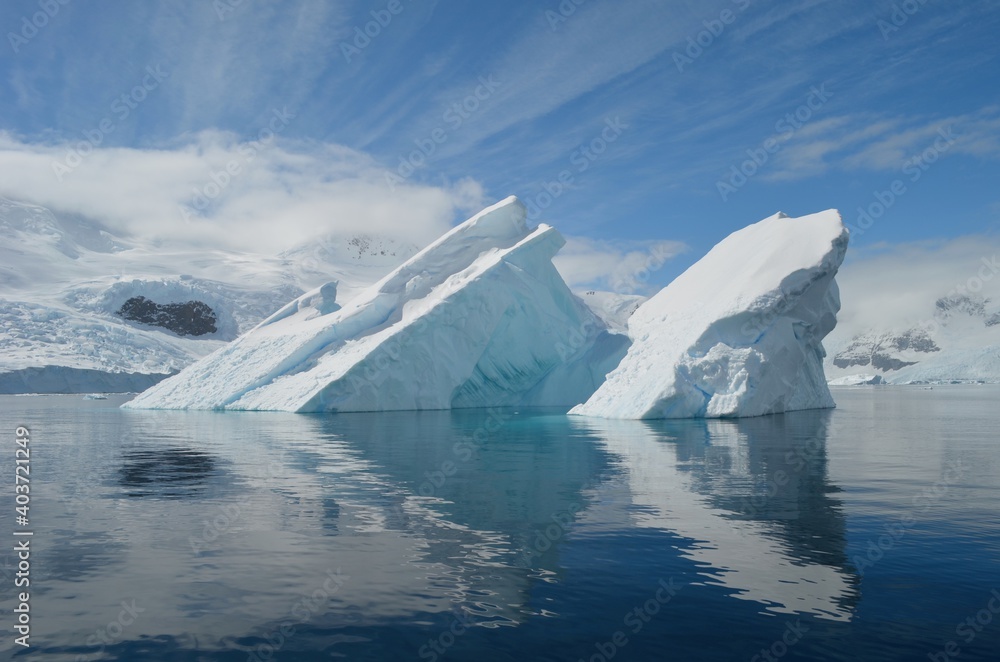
(871, 532)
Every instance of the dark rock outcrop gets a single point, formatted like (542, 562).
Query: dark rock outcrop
(880, 351)
(192, 318)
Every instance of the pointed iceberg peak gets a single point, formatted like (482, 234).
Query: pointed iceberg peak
(509, 211)
(479, 317)
(501, 223)
(737, 334)
(499, 226)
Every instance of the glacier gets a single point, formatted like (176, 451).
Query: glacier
(478, 318)
(737, 334)
(65, 278)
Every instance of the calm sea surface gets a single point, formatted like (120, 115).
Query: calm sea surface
(871, 532)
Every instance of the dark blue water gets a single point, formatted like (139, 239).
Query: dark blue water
(867, 533)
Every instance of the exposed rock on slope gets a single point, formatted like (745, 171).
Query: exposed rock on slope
(191, 318)
(957, 339)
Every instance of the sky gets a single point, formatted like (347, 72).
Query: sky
(645, 131)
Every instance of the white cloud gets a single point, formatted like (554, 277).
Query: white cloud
(283, 193)
(895, 287)
(619, 266)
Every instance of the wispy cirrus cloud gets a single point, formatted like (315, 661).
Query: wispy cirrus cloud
(560, 79)
(551, 64)
(228, 66)
(868, 142)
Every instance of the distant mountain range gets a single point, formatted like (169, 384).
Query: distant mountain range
(82, 309)
(959, 341)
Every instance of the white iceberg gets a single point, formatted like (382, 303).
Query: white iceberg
(479, 318)
(737, 334)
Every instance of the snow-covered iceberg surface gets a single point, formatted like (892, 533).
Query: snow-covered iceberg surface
(479, 318)
(737, 334)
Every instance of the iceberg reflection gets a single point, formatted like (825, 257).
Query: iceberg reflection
(527, 526)
(751, 495)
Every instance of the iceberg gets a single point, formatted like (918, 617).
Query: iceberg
(479, 318)
(737, 334)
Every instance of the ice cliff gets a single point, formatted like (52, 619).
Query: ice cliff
(737, 334)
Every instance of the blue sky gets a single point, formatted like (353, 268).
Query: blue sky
(621, 122)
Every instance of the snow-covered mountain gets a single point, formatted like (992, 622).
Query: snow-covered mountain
(82, 309)
(953, 338)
